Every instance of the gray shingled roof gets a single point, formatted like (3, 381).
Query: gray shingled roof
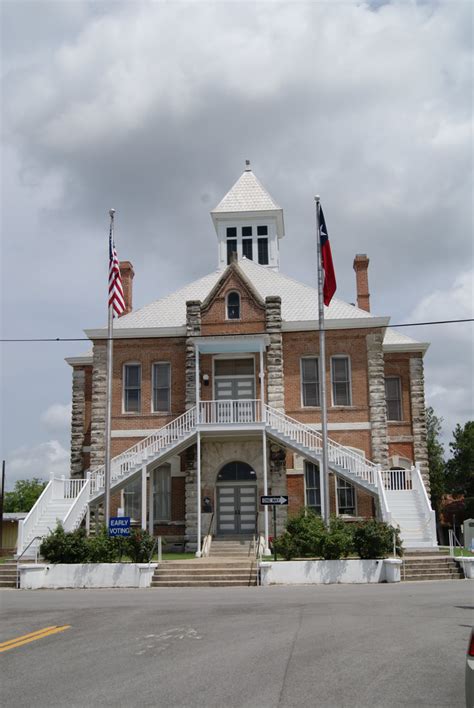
(247, 194)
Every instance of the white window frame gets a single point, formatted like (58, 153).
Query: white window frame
(349, 372)
(318, 477)
(124, 366)
(156, 473)
(309, 356)
(336, 482)
(399, 379)
(233, 319)
(153, 410)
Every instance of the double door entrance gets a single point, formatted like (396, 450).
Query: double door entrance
(236, 508)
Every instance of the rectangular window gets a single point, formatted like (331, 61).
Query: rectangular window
(247, 248)
(231, 248)
(341, 381)
(345, 497)
(132, 496)
(313, 489)
(263, 251)
(393, 396)
(162, 494)
(231, 232)
(161, 387)
(310, 381)
(262, 230)
(246, 231)
(132, 388)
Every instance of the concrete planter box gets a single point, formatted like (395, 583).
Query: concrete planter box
(467, 564)
(321, 572)
(86, 575)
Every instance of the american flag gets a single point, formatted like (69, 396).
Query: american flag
(116, 298)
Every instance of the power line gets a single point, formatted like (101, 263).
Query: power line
(88, 339)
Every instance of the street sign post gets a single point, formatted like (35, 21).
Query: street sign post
(280, 500)
(119, 526)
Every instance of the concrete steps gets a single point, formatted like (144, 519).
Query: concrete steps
(204, 572)
(8, 574)
(430, 567)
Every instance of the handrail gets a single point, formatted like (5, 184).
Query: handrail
(36, 538)
(157, 544)
(453, 542)
(84, 493)
(207, 540)
(33, 514)
(386, 513)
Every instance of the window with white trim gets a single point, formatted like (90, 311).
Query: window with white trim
(161, 376)
(312, 486)
(393, 397)
(341, 381)
(233, 306)
(132, 499)
(346, 497)
(162, 493)
(310, 381)
(132, 388)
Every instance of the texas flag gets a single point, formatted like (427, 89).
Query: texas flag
(329, 287)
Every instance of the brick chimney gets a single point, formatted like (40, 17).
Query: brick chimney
(361, 266)
(127, 273)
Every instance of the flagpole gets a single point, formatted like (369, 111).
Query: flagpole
(322, 377)
(108, 415)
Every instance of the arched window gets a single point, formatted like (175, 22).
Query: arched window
(233, 306)
(236, 472)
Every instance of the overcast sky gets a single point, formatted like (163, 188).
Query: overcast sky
(153, 107)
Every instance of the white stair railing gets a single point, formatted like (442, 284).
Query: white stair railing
(429, 514)
(78, 509)
(26, 527)
(311, 439)
(230, 411)
(398, 480)
(159, 440)
(384, 507)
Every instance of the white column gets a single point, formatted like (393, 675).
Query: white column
(144, 497)
(267, 551)
(262, 381)
(196, 354)
(198, 494)
(150, 504)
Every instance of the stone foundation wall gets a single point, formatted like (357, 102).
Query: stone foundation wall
(78, 421)
(418, 413)
(377, 404)
(99, 404)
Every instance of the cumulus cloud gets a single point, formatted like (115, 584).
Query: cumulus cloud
(44, 460)
(152, 108)
(57, 416)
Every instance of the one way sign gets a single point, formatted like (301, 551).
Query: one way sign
(269, 501)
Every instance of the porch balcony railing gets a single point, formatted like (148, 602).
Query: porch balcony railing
(230, 411)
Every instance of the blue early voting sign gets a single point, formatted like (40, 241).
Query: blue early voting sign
(119, 526)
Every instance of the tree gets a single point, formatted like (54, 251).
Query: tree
(436, 464)
(24, 495)
(460, 468)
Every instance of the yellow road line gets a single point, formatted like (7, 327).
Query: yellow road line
(32, 637)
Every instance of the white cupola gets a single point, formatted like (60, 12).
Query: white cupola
(248, 222)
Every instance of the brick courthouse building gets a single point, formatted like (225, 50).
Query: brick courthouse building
(216, 396)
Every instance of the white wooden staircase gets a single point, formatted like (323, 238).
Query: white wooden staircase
(402, 499)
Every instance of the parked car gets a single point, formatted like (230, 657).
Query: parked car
(470, 672)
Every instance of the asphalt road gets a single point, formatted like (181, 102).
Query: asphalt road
(354, 646)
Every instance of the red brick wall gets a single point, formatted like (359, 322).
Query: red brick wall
(252, 314)
(295, 484)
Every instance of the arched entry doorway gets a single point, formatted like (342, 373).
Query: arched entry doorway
(236, 499)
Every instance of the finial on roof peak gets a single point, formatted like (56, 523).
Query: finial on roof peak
(247, 166)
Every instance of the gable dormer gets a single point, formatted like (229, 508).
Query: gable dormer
(248, 222)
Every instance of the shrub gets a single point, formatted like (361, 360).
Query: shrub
(62, 547)
(374, 539)
(101, 548)
(139, 545)
(307, 530)
(285, 545)
(337, 541)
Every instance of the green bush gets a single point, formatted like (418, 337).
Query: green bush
(285, 546)
(308, 531)
(62, 547)
(139, 545)
(102, 548)
(337, 541)
(374, 539)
